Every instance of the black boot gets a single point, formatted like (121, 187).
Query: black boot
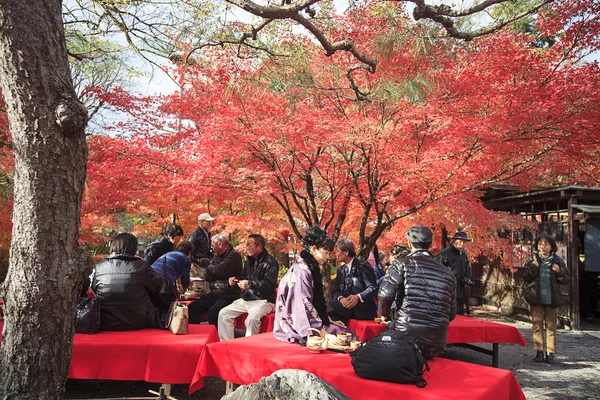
(550, 358)
(539, 357)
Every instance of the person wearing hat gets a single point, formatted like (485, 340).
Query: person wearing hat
(455, 257)
(425, 292)
(201, 238)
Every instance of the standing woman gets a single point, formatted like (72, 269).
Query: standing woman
(544, 273)
(300, 302)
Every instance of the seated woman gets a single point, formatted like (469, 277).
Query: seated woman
(122, 282)
(300, 301)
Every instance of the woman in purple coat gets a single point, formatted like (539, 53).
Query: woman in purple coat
(300, 301)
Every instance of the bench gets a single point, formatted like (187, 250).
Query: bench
(151, 355)
(247, 360)
(462, 331)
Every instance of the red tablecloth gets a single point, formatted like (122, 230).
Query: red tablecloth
(246, 360)
(266, 323)
(151, 355)
(461, 330)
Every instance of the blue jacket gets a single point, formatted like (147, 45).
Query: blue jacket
(177, 265)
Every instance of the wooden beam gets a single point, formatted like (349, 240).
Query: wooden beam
(573, 264)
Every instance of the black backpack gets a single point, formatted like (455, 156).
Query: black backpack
(392, 356)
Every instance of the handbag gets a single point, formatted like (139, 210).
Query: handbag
(178, 319)
(168, 291)
(88, 316)
(392, 356)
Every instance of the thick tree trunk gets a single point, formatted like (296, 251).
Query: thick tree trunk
(46, 267)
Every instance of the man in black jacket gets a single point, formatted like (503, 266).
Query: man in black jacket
(258, 284)
(201, 238)
(424, 291)
(455, 257)
(226, 262)
(354, 288)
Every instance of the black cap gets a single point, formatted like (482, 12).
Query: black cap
(419, 234)
(461, 235)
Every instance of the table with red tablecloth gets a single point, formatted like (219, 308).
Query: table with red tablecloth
(151, 355)
(462, 330)
(247, 360)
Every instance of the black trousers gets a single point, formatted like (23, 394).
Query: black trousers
(209, 302)
(460, 306)
(363, 311)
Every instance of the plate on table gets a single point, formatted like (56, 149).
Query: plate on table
(339, 349)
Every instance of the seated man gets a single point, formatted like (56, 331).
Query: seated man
(354, 288)
(227, 262)
(425, 292)
(258, 283)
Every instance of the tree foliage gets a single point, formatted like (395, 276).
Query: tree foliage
(443, 120)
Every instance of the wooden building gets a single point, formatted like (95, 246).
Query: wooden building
(570, 214)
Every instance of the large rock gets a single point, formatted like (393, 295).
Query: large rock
(287, 384)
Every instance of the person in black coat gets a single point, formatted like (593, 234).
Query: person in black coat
(424, 291)
(258, 284)
(172, 236)
(455, 257)
(121, 283)
(201, 238)
(354, 288)
(227, 262)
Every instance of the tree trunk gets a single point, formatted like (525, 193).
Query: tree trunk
(46, 267)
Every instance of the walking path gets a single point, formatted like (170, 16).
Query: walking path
(575, 374)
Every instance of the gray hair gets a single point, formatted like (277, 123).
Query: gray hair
(221, 238)
(346, 245)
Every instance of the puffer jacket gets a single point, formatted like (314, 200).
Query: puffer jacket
(531, 275)
(458, 263)
(261, 273)
(425, 295)
(121, 282)
(219, 271)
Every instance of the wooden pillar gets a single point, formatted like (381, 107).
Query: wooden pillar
(573, 264)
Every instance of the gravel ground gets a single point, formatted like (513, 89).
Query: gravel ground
(575, 374)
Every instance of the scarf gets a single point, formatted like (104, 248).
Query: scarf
(318, 295)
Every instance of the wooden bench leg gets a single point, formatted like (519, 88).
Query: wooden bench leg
(230, 387)
(495, 355)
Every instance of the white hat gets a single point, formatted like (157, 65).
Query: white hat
(205, 217)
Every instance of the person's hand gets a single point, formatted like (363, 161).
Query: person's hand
(382, 319)
(352, 301)
(344, 302)
(555, 268)
(534, 262)
(243, 284)
(337, 323)
(232, 281)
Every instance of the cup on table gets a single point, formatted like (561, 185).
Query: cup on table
(355, 344)
(344, 338)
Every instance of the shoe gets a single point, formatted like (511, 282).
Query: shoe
(539, 357)
(550, 358)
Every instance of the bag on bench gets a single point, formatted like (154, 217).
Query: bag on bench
(392, 356)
